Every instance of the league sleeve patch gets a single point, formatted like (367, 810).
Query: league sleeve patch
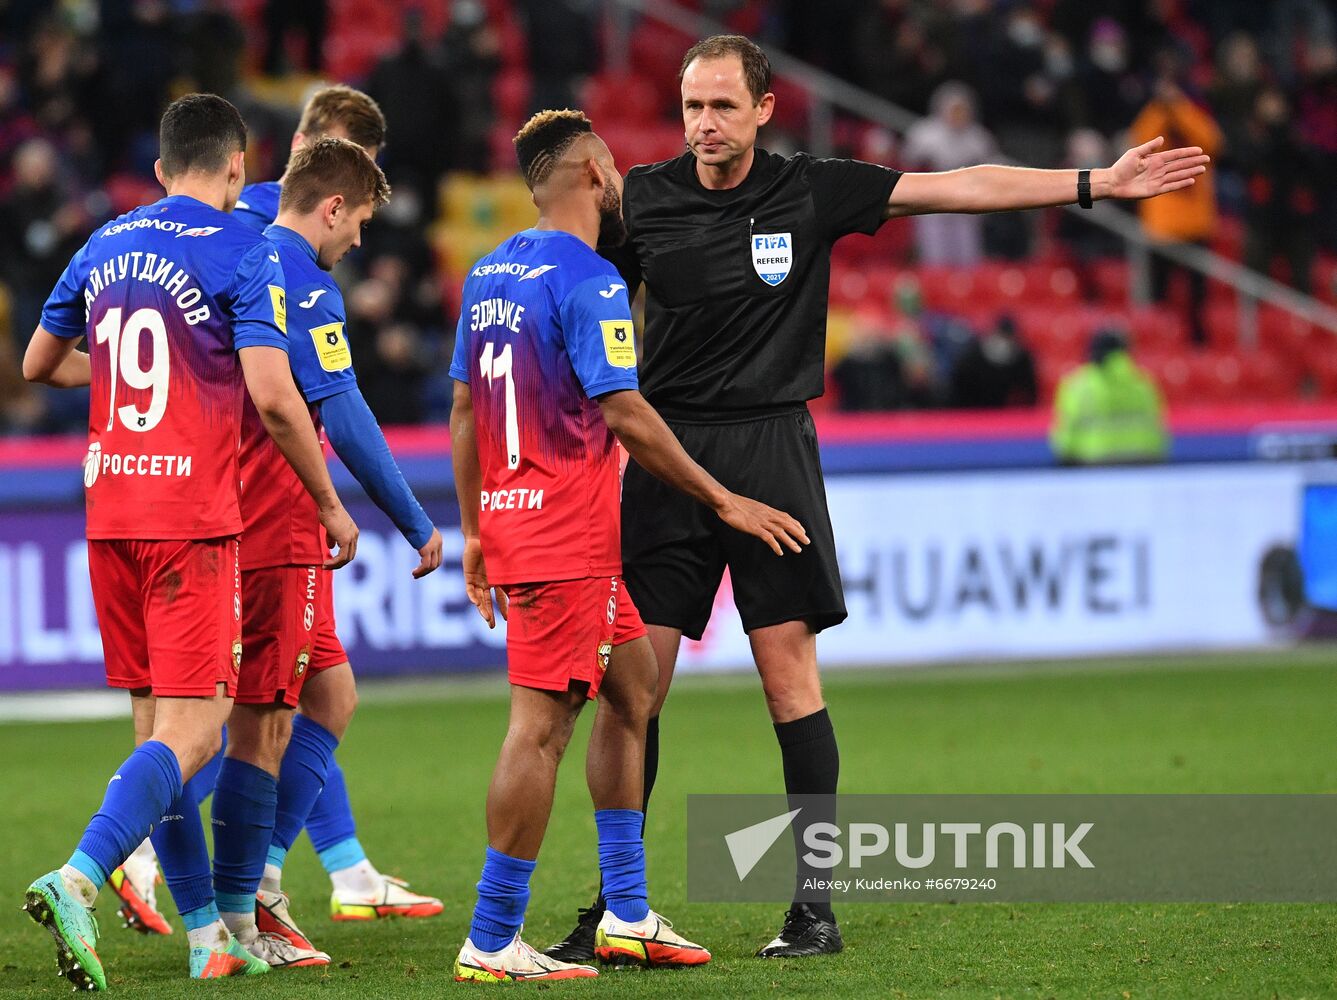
(331, 347)
(279, 301)
(619, 342)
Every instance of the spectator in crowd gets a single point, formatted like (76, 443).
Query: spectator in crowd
(897, 57)
(20, 407)
(564, 49)
(1282, 179)
(995, 370)
(309, 18)
(887, 366)
(1187, 216)
(949, 139)
(471, 57)
(413, 89)
(1111, 88)
(393, 361)
(43, 227)
(1316, 111)
(1108, 411)
(868, 376)
(1239, 80)
(1018, 96)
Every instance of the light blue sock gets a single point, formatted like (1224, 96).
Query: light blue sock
(344, 854)
(202, 917)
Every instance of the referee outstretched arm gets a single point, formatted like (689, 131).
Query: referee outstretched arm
(1142, 172)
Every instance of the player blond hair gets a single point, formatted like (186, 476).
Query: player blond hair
(343, 107)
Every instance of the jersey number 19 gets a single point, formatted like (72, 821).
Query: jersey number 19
(123, 348)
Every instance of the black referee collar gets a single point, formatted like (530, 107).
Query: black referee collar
(754, 175)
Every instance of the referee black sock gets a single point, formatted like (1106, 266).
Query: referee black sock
(651, 772)
(812, 767)
(651, 765)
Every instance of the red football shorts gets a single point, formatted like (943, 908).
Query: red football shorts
(169, 613)
(561, 633)
(287, 632)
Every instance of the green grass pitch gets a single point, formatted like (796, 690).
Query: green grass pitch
(418, 760)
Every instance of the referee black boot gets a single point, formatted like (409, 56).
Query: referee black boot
(578, 946)
(804, 933)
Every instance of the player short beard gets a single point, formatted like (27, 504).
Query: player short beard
(612, 227)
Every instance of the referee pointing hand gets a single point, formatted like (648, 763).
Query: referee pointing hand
(733, 245)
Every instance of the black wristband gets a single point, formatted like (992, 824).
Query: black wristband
(1084, 188)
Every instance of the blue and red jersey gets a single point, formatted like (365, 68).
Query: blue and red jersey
(545, 329)
(167, 294)
(282, 524)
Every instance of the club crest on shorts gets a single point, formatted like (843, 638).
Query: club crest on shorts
(303, 661)
(236, 655)
(772, 256)
(604, 653)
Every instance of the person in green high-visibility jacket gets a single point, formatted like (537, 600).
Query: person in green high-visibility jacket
(1109, 411)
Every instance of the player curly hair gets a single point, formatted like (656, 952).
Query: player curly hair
(328, 167)
(543, 139)
(756, 67)
(341, 106)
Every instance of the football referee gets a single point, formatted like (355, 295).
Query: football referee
(733, 245)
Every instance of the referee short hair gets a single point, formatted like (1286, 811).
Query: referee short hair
(199, 132)
(543, 139)
(756, 67)
(359, 116)
(328, 167)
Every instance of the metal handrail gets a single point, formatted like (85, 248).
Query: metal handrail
(830, 91)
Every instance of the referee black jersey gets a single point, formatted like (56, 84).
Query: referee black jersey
(737, 280)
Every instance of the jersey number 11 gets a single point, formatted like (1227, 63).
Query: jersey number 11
(498, 366)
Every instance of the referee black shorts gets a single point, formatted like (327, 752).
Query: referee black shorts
(674, 549)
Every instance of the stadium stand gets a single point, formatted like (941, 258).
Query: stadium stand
(57, 86)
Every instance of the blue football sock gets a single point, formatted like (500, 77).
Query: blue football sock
(301, 777)
(137, 796)
(201, 786)
(503, 895)
(622, 862)
(184, 855)
(331, 818)
(243, 816)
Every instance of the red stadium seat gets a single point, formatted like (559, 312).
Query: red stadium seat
(611, 97)
(1111, 281)
(636, 143)
(1156, 328)
(1325, 279)
(510, 96)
